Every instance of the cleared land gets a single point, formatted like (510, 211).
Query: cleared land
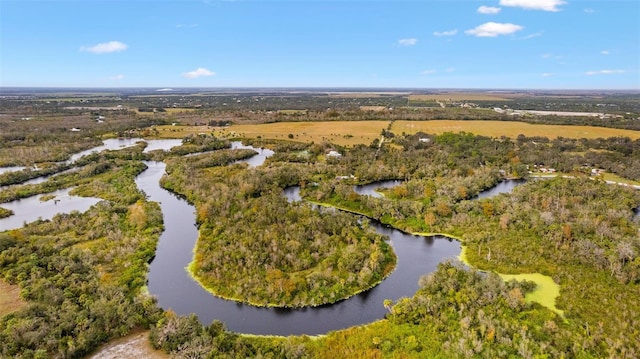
(134, 346)
(10, 300)
(509, 129)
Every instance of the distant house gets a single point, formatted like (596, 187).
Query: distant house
(333, 153)
(425, 140)
(75, 129)
(345, 177)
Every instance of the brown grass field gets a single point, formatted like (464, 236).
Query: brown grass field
(349, 133)
(459, 96)
(10, 300)
(344, 133)
(509, 129)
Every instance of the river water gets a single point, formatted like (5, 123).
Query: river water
(176, 290)
(30, 209)
(169, 281)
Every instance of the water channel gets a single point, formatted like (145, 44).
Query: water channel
(169, 281)
(30, 209)
(176, 290)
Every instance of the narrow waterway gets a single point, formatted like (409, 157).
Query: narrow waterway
(175, 290)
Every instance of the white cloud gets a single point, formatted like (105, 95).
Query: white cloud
(493, 29)
(450, 69)
(407, 42)
(605, 52)
(551, 56)
(589, 11)
(116, 77)
(105, 47)
(446, 33)
(604, 72)
(488, 10)
(428, 72)
(531, 36)
(199, 72)
(547, 74)
(545, 5)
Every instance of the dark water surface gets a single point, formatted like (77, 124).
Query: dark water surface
(169, 281)
(175, 290)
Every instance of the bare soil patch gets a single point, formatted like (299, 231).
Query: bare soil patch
(133, 346)
(10, 300)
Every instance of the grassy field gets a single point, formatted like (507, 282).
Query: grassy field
(169, 131)
(509, 129)
(10, 300)
(458, 96)
(349, 133)
(345, 133)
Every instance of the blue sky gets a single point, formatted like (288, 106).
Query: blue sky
(521, 44)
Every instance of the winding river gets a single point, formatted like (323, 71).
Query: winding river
(176, 290)
(169, 281)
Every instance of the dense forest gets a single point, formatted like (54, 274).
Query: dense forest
(83, 275)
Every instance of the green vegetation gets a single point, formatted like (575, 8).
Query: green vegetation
(286, 254)
(81, 276)
(546, 290)
(5, 212)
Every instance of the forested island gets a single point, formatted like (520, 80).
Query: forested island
(80, 277)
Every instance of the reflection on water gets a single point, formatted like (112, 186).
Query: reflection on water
(371, 189)
(171, 284)
(256, 160)
(502, 187)
(31, 209)
(164, 145)
(11, 169)
(120, 143)
(109, 144)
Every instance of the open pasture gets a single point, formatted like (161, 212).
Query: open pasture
(345, 133)
(459, 96)
(509, 129)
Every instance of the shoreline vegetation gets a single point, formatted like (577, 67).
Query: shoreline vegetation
(82, 275)
(328, 257)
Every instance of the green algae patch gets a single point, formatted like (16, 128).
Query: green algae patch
(545, 293)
